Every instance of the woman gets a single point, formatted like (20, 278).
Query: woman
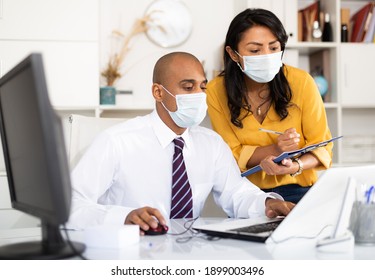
(257, 91)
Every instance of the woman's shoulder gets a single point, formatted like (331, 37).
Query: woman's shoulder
(216, 83)
(291, 71)
(298, 78)
(302, 84)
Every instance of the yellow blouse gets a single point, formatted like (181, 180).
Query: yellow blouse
(307, 115)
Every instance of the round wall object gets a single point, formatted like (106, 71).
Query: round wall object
(170, 23)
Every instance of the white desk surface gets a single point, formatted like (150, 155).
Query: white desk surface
(167, 247)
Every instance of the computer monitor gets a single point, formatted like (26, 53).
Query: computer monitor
(36, 160)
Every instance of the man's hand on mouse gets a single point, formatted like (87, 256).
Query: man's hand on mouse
(146, 218)
(277, 207)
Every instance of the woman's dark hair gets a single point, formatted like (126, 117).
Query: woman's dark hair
(280, 91)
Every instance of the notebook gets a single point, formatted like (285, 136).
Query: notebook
(314, 216)
(291, 154)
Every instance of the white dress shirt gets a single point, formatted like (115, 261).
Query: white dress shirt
(129, 166)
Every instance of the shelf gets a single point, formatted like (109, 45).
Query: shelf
(120, 108)
(359, 107)
(103, 111)
(331, 105)
(306, 48)
(114, 108)
(75, 108)
(121, 112)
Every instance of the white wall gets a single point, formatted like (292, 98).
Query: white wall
(211, 20)
(66, 34)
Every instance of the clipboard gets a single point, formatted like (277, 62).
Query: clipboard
(291, 154)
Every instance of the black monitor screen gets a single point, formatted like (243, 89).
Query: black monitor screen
(35, 158)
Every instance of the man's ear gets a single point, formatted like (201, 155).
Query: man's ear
(233, 55)
(157, 92)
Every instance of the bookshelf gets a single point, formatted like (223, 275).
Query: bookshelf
(350, 102)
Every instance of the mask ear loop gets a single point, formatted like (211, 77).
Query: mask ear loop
(168, 91)
(165, 107)
(239, 65)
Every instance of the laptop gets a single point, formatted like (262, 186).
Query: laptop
(314, 216)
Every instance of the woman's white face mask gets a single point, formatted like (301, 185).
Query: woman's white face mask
(261, 68)
(191, 109)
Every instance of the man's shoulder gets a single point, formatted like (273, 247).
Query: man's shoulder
(204, 132)
(128, 126)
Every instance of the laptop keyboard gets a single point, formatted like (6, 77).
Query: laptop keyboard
(271, 226)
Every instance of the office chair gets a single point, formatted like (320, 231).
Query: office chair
(83, 130)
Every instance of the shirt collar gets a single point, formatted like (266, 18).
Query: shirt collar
(164, 134)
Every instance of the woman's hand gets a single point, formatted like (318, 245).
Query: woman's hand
(286, 166)
(288, 141)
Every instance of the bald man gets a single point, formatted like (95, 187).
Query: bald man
(127, 174)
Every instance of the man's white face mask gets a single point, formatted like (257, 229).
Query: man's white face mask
(191, 108)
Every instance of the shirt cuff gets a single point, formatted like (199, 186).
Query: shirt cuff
(246, 153)
(324, 157)
(116, 215)
(273, 195)
(259, 207)
(262, 202)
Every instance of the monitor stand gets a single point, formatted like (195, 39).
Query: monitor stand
(51, 247)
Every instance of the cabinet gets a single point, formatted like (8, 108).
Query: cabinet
(350, 102)
(66, 33)
(357, 89)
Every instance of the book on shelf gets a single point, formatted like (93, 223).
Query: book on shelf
(358, 22)
(307, 16)
(345, 16)
(292, 154)
(320, 65)
(370, 27)
(300, 26)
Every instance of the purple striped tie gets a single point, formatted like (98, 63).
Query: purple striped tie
(182, 199)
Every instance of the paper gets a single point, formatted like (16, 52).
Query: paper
(291, 154)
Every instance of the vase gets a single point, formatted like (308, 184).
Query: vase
(107, 95)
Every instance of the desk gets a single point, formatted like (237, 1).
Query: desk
(167, 247)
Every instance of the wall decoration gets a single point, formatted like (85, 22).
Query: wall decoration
(170, 23)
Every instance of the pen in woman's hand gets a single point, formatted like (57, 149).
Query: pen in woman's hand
(270, 131)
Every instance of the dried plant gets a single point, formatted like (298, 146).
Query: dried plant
(112, 72)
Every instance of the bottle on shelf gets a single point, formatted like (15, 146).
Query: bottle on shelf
(344, 33)
(316, 32)
(327, 35)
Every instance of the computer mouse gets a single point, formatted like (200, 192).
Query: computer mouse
(160, 229)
